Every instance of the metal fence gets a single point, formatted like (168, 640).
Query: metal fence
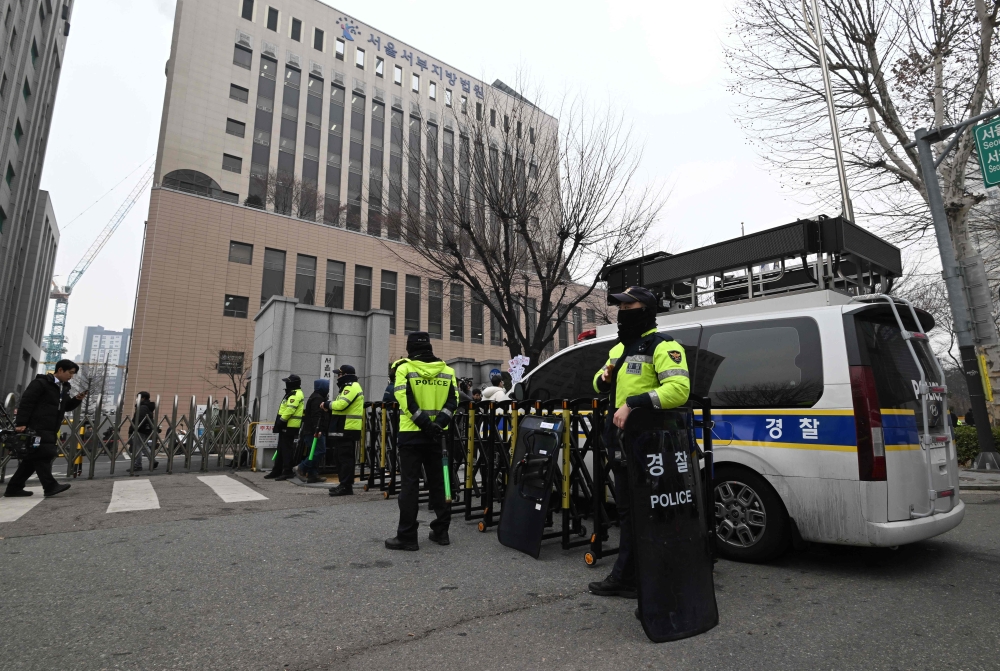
(217, 433)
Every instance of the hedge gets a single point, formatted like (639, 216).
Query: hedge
(967, 442)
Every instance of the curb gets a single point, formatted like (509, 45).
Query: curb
(979, 488)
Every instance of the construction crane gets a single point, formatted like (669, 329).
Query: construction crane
(55, 341)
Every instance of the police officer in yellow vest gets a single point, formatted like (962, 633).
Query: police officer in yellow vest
(427, 393)
(645, 369)
(287, 426)
(345, 428)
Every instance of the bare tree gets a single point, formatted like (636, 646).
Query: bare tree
(524, 209)
(231, 370)
(895, 65)
(285, 194)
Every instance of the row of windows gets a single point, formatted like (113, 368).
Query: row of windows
(273, 281)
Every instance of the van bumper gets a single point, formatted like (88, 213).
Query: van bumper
(888, 534)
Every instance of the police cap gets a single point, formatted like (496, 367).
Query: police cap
(634, 295)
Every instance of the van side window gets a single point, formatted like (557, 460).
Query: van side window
(569, 374)
(766, 364)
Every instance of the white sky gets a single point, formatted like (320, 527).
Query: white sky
(660, 61)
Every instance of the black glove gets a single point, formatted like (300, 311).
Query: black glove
(433, 431)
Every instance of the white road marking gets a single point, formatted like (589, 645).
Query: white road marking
(229, 490)
(13, 508)
(129, 495)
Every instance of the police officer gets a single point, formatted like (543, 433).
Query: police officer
(290, 414)
(427, 393)
(347, 410)
(644, 370)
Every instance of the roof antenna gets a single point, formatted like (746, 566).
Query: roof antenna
(743, 231)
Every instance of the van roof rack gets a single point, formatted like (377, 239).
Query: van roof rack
(808, 254)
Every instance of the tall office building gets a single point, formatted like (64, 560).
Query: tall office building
(258, 88)
(104, 358)
(33, 43)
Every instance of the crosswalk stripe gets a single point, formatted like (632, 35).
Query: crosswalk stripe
(12, 509)
(229, 490)
(129, 495)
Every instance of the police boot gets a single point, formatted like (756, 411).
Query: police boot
(397, 544)
(439, 538)
(612, 586)
(343, 489)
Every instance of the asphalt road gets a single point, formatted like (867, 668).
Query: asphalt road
(301, 581)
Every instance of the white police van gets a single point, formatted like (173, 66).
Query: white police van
(831, 419)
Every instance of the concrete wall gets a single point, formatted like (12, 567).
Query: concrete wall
(290, 339)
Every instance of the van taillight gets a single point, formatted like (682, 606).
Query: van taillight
(868, 424)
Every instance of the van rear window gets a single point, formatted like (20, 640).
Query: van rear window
(766, 364)
(896, 373)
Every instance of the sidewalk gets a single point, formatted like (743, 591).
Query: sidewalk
(969, 480)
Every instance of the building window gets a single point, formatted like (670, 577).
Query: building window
(335, 284)
(239, 93)
(3, 219)
(34, 53)
(231, 197)
(232, 163)
(296, 33)
(563, 334)
(476, 325)
(479, 111)
(242, 57)
(10, 174)
(447, 97)
(3, 86)
(397, 74)
(9, 15)
(577, 323)
(272, 19)
(305, 279)
(13, 39)
(318, 37)
(379, 66)
(387, 301)
(531, 135)
(240, 252)
(496, 332)
(415, 83)
(457, 316)
(273, 281)
(18, 131)
(411, 305)
(236, 306)
(247, 12)
(362, 288)
(26, 91)
(237, 128)
(465, 104)
(340, 49)
(493, 118)
(359, 58)
(432, 90)
(435, 308)
(230, 363)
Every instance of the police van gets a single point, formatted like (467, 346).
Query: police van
(831, 418)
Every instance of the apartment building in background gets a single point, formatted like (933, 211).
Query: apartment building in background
(256, 88)
(33, 37)
(103, 360)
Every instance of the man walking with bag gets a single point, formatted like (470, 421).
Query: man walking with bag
(41, 410)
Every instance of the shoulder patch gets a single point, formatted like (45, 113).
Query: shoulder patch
(675, 356)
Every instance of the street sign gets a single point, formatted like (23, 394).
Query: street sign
(326, 366)
(988, 146)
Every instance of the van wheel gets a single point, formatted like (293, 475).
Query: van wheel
(751, 523)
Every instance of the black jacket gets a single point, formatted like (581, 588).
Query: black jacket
(315, 420)
(43, 405)
(145, 418)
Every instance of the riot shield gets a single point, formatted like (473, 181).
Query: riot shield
(673, 560)
(526, 503)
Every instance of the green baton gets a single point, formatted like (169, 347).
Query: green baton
(447, 471)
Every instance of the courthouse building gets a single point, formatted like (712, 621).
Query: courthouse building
(293, 87)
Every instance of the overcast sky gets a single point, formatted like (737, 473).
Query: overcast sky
(660, 61)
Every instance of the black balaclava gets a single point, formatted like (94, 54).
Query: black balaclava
(418, 347)
(633, 323)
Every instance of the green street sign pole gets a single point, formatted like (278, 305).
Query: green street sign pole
(950, 271)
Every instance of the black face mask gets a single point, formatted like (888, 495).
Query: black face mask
(633, 323)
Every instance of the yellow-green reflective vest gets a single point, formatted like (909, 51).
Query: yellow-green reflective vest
(350, 404)
(421, 387)
(292, 409)
(662, 375)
